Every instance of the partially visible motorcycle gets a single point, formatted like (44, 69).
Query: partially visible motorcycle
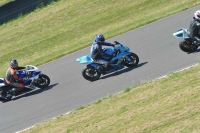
(124, 57)
(188, 44)
(33, 78)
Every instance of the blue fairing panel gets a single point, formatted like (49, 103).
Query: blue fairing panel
(181, 33)
(21, 74)
(108, 51)
(85, 60)
(1, 81)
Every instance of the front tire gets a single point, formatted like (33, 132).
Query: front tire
(43, 81)
(91, 74)
(132, 61)
(184, 46)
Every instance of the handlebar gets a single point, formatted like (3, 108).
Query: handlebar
(116, 42)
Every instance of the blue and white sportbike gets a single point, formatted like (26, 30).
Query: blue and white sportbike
(123, 57)
(32, 78)
(189, 44)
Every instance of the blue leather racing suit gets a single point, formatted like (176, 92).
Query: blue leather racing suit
(97, 53)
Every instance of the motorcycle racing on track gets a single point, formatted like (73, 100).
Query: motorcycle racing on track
(191, 37)
(123, 57)
(189, 44)
(34, 78)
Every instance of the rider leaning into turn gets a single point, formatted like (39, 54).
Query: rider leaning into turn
(11, 78)
(97, 53)
(194, 27)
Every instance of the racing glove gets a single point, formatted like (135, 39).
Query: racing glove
(116, 42)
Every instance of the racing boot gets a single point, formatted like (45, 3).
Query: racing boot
(3, 97)
(31, 86)
(101, 68)
(17, 91)
(109, 67)
(196, 41)
(14, 91)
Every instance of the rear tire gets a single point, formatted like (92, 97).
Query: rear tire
(6, 91)
(184, 46)
(43, 81)
(134, 60)
(91, 74)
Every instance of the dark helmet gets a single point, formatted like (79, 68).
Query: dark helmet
(14, 63)
(99, 38)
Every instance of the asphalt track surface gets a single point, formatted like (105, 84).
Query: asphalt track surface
(154, 44)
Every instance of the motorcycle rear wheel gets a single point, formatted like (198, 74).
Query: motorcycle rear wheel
(184, 46)
(43, 81)
(8, 94)
(134, 60)
(91, 74)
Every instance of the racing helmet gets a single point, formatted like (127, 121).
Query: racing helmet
(14, 63)
(99, 38)
(197, 14)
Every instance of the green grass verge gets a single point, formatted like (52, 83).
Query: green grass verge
(69, 25)
(4, 1)
(168, 105)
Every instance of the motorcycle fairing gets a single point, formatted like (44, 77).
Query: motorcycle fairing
(85, 59)
(2, 82)
(181, 33)
(127, 58)
(109, 51)
(31, 72)
(34, 74)
(122, 48)
(23, 73)
(92, 65)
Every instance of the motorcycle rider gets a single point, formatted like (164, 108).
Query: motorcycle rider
(97, 53)
(11, 79)
(194, 27)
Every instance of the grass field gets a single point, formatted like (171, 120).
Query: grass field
(4, 1)
(68, 25)
(169, 105)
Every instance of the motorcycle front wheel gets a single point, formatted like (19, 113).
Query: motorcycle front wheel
(43, 81)
(91, 74)
(184, 46)
(132, 61)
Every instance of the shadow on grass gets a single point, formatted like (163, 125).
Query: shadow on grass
(123, 70)
(17, 8)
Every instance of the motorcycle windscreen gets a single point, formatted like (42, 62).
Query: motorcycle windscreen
(85, 60)
(182, 33)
